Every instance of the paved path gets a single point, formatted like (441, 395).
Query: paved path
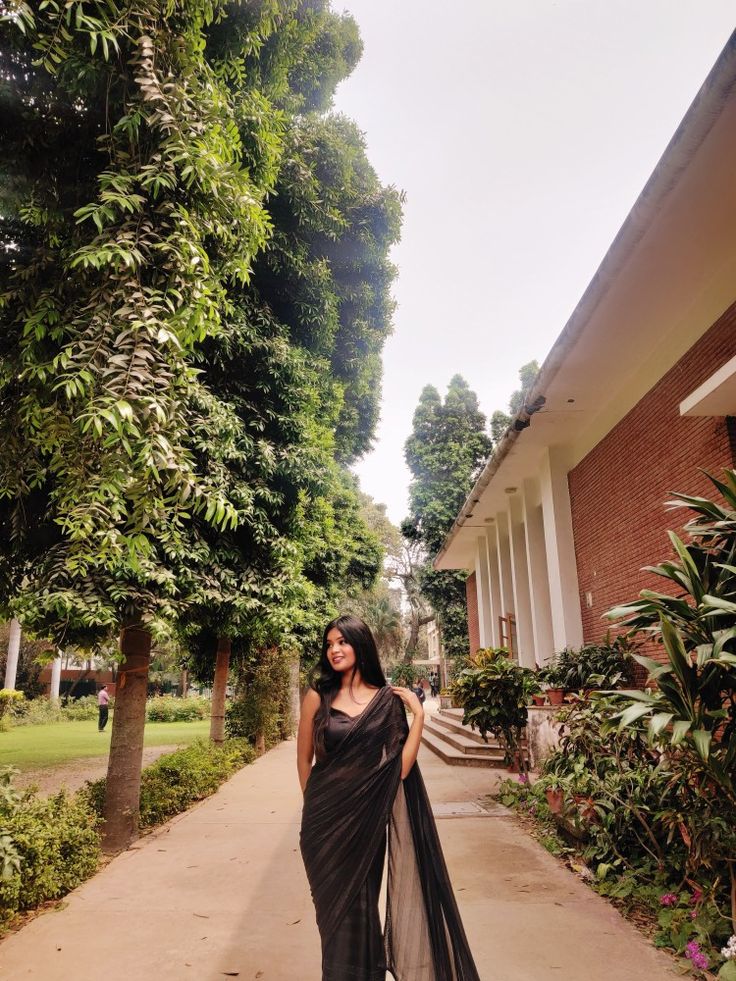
(220, 892)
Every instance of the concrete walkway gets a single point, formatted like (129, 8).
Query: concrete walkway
(221, 892)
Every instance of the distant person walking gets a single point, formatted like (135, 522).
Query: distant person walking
(418, 689)
(103, 701)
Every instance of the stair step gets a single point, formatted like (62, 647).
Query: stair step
(454, 756)
(451, 720)
(461, 740)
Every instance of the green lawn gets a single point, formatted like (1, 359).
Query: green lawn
(30, 747)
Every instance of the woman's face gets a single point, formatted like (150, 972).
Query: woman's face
(339, 653)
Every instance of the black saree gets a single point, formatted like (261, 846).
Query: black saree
(354, 798)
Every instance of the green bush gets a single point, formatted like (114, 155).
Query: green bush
(494, 693)
(35, 712)
(175, 781)
(607, 665)
(9, 699)
(404, 674)
(169, 708)
(263, 703)
(47, 846)
(82, 709)
(42, 711)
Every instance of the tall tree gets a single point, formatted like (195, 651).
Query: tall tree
(445, 451)
(148, 138)
(500, 421)
(309, 326)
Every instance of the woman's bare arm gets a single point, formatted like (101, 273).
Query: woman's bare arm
(304, 737)
(413, 740)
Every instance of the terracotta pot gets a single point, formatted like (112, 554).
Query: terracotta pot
(554, 799)
(586, 808)
(556, 696)
(539, 699)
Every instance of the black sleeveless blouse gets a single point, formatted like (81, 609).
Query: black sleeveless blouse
(339, 725)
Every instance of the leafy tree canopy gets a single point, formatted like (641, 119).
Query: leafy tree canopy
(445, 451)
(500, 421)
(193, 312)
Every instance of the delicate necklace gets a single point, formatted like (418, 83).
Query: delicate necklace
(354, 699)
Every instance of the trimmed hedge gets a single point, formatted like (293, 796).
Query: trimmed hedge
(42, 711)
(47, 846)
(175, 781)
(169, 708)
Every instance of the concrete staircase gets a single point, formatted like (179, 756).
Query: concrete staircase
(459, 745)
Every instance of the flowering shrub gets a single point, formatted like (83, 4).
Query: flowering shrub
(618, 799)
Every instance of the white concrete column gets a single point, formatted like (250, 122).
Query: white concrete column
(520, 578)
(504, 564)
(492, 553)
(567, 624)
(505, 575)
(483, 592)
(11, 665)
(55, 678)
(544, 645)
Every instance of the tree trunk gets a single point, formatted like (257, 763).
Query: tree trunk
(183, 682)
(413, 641)
(417, 620)
(122, 796)
(11, 665)
(222, 669)
(294, 700)
(55, 679)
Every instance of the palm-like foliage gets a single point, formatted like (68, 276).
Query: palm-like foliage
(691, 715)
(695, 699)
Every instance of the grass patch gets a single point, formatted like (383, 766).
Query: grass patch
(32, 747)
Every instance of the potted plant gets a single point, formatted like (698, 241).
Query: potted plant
(553, 680)
(494, 693)
(446, 699)
(555, 799)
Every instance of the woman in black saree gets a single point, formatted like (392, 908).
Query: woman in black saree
(365, 790)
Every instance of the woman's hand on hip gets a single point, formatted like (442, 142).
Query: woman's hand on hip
(409, 699)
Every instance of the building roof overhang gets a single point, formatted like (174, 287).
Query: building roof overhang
(667, 277)
(716, 396)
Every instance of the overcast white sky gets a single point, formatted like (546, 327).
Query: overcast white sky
(522, 132)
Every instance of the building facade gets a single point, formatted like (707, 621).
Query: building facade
(635, 400)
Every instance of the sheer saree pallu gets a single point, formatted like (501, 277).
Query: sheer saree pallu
(354, 796)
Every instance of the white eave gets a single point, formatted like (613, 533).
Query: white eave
(716, 396)
(667, 277)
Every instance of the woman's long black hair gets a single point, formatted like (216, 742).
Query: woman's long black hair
(327, 682)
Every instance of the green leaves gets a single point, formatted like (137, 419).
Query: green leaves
(132, 465)
(446, 448)
(693, 705)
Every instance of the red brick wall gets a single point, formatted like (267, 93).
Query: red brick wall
(618, 490)
(471, 593)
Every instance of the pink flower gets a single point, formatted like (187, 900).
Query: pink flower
(693, 914)
(669, 899)
(523, 778)
(696, 955)
(696, 896)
